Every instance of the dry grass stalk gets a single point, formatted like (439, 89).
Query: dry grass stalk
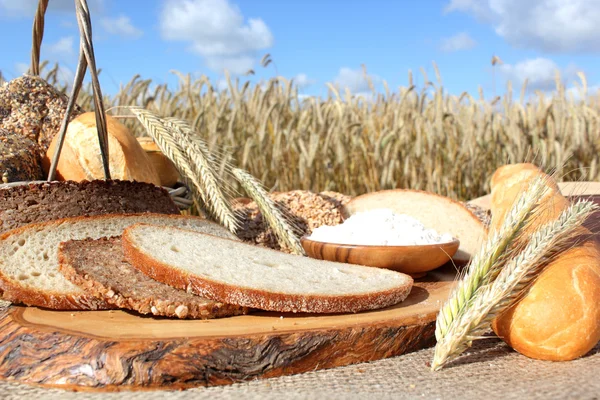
(488, 261)
(512, 282)
(274, 217)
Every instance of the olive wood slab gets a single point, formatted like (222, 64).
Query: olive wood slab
(117, 350)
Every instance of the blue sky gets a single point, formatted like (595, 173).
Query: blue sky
(317, 42)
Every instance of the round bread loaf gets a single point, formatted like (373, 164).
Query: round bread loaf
(559, 318)
(80, 157)
(167, 172)
(31, 107)
(19, 158)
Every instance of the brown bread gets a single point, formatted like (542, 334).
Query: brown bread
(98, 267)
(40, 202)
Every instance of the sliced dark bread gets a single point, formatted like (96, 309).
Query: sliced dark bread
(40, 202)
(98, 267)
(29, 270)
(252, 276)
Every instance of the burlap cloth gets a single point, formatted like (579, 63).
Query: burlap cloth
(490, 370)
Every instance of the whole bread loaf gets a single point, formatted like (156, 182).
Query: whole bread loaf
(167, 172)
(80, 157)
(19, 158)
(433, 211)
(39, 202)
(29, 265)
(559, 317)
(99, 268)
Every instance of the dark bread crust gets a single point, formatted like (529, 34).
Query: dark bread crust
(80, 259)
(254, 298)
(40, 202)
(13, 291)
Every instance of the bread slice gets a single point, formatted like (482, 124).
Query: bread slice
(29, 271)
(252, 276)
(99, 268)
(40, 202)
(433, 211)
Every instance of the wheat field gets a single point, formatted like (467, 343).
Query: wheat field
(420, 138)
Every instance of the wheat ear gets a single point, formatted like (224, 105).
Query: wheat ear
(272, 215)
(200, 160)
(172, 144)
(173, 151)
(215, 159)
(511, 283)
(486, 263)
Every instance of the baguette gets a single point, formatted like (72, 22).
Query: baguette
(98, 267)
(559, 317)
(252, 276)
(29, 270)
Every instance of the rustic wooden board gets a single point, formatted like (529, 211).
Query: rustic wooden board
(115, 350)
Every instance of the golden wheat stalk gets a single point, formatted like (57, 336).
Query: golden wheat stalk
(193, 171)
(173, 151)
(215, 200)
(272, 215)
(216, 160)
(487, 262)
(511, 283)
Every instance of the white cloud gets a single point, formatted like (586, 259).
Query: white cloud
(458, 42)
(547, 25)
(121, 26)
(26, 8)
(64, 47)
(540, 73)
(354, 80)
(302, 81)
(217, 31)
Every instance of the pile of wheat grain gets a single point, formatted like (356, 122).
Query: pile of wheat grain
(304, 209)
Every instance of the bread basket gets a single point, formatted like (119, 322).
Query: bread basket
(180, 194)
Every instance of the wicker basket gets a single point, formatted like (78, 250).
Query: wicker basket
(180, 194)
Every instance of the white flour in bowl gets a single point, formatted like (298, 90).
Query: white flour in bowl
(379, 227)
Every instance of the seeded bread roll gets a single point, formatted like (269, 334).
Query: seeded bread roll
(98, 267)
(559, 318)
(19, 158)
(31, 107)
(40, 202)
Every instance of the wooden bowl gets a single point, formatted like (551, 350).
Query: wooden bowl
(411, 260)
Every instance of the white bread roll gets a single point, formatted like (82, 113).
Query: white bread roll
(164, 167)
(559, 318)
(80, 158)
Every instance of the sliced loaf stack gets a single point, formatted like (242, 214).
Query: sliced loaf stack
(29, 263)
